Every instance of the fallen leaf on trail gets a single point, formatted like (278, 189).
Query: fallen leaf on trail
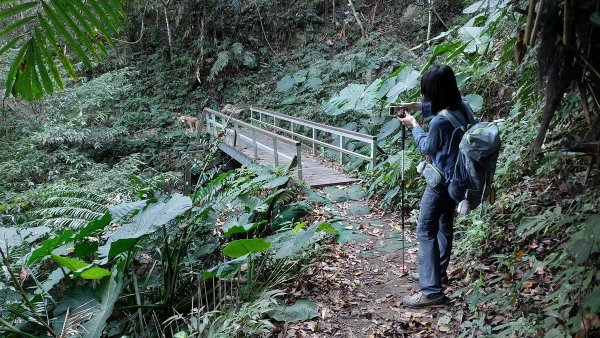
(527, 285)
(497, 320)
(459, 316)
(456, 272)
(357, 272)
(519, 255)
(443, 328)
(311, 325)
(589, 322)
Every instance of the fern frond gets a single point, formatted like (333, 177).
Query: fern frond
(237, 49)
(76, 202)
(39, 28)
(211, 189)
(62, 222)
(220, 63)
(70, 208)
(80, 194)
(76, 213)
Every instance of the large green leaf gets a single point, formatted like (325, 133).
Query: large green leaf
(11, 237)
(108, 293)
(146, 222)
(286, 83)
(592, 300)
(406, 80)
(291, 214)
(81, 268)
(48, 245)
(78, 300)
(291, 243)
(226, 270)
(121, 210)
(231, 229)
(300, 311)
(475, 36)
(93, 227)
(242, 247)
(475, 101)
(53, 278)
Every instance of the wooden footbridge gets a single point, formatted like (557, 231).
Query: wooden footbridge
(273, 139)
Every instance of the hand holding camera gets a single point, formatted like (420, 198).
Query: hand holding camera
(401, 113)
(398, 111)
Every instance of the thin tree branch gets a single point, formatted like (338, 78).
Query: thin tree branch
(362, 29)
(141, 31)
(429, 20)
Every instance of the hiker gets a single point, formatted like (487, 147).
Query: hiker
(436, 213)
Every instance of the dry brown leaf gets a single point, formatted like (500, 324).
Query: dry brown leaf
(589, 322)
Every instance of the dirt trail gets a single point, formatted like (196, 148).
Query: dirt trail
(359, 283)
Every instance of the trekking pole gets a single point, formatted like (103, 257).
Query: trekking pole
(403, 137)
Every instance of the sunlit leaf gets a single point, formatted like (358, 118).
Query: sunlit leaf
(242, 247)
(475, 101)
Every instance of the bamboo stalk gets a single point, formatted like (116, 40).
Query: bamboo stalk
(566, 24)
(536, 23)
(430, 3)
(584, 103)
(530, 13)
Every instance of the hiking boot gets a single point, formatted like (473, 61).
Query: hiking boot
(414, 277)
(419, 300)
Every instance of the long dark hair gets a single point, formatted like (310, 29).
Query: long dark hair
(439, 87)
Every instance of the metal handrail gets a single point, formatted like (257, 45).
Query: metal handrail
(211, 124)
(342, 133)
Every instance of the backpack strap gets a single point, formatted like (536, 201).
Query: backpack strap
(456, 123)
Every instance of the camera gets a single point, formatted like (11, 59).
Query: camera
(394, 110)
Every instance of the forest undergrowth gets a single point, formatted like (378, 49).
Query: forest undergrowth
(97, 238)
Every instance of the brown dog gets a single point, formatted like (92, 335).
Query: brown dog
(191, 123)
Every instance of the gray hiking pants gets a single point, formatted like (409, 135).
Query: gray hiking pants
(434, 232)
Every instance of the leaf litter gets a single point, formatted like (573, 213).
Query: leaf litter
(358, 286)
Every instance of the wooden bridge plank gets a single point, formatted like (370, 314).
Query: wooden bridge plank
(315, 171)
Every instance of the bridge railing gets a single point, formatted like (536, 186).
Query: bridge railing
(259, 116)
(221, 125)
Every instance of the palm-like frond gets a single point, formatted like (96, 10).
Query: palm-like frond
(70, 208)
(40, 28)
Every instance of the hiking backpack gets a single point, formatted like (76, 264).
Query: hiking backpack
(475, 165)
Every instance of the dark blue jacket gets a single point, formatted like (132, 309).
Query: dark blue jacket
(441, 142)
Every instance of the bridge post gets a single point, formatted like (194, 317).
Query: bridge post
(341, 148)
(292, 129)
(299, 159)
(275, 154)
(314, 137)
(373, 152)
(235, 134)
(187, 178)
(254, 145)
